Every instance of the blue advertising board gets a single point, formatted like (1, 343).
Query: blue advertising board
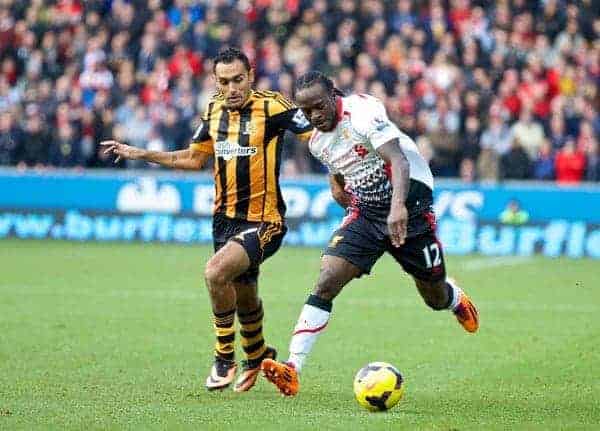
(172, 207)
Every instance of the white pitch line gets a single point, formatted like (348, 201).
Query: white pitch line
(482, 263)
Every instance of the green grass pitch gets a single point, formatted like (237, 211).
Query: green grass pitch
(117, 336)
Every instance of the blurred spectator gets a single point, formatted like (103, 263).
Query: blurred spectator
(65, 150)
(514, 214)
(34, 150)
(9, 96)
(558, 136)
(570, 163)
(497, 136)
(184, 61)
(464, 77)
(442, 132)
(529, 133)
(592, 169)
(488, 165)
(543, 165)
(171, 131)
(470, 141)
(586, 136)
(11, 139)
(138, 128)
(467, 171)
(515, 164)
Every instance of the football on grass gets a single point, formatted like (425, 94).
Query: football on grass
(378, 386)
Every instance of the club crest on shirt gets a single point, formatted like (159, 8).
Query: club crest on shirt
(361, 150)
(227, 150)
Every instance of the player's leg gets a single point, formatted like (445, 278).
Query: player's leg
(226, 264)
(352, 251)
(260, 242)
(422, 257)
(250, 316)
(446, 295)
(335, 273)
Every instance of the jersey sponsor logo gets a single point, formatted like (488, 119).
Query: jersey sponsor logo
(227, 150)
(300, 120)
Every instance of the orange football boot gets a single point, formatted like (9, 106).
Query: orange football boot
(466, 313)
(250, 370)
(283, 375)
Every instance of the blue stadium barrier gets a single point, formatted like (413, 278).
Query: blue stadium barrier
(171, 207)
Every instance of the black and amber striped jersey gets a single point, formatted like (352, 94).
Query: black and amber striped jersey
(246, 144)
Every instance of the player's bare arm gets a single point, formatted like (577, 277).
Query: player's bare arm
(340, 195)
(397, 220)
(182, 159)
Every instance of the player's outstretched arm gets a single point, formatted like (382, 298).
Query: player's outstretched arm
(392, 153)
(183, 159)
(340, 195)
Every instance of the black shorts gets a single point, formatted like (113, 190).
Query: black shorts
(260, 240)
(362, 240)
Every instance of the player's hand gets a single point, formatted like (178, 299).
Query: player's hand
(121, 151)
(397, 222)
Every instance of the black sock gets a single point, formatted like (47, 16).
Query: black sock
(323, 304)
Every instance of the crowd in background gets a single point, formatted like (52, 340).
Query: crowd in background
(489, 90)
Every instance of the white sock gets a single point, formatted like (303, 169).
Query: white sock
(456, 294)
(312, 321)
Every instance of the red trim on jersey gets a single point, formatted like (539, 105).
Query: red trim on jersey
(430, 217)
(311, 331)
(339, 111)
(387, 168)
(353, 210)
(353, 214)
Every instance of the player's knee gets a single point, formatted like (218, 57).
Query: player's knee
(214, 275)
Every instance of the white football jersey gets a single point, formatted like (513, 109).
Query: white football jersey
(350, 150)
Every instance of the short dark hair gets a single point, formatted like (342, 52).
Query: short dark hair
(315, 77)
(229, 55)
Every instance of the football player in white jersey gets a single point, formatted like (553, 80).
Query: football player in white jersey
(378, 175)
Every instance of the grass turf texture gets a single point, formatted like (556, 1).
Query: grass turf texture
(113, 336)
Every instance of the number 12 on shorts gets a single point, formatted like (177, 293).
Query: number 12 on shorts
(432, 250)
